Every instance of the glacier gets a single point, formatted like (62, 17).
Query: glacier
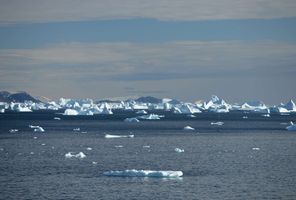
(144, 173)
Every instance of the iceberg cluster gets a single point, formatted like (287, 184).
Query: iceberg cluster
(145, 107)
(145, 173)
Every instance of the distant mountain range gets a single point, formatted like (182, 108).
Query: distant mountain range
(16, 97)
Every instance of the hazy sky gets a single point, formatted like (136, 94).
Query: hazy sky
(237, 49)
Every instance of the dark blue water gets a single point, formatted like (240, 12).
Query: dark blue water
(219, 162)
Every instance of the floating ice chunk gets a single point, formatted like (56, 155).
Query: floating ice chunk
(34, 138)
(188, 128)
(13, 130)
(57, 118)
(80, 155)
(191, 116)
(119, 136)
(94, 163)
(145, 173)
(76, 129)
(37, 128)
(245, 117)
(151, 117)
(118, 146)
(83, 131)
(292, 127)
(217, 123)
(178, 150)
(255, 148)
(146, 146)
(43, 144)
(266, 115)
(71, 112)
(32, 153)
(89, 148)
(133, 119)
(141, 112)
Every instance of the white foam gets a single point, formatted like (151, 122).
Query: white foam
(188, 128)
(80, 155)
(118, 136)
(178, 150)
(144, 173)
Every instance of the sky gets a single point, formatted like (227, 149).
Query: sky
(240, 50)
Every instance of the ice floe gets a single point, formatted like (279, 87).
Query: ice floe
(188, 128)
(217, 123)
(13, 130)
(178, 150)
(144, 173)
(292, 127)
(80, 155)
(151, 117)
(133, 119)
(119, 136)
(37, 128)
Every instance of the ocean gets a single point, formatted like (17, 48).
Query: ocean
(252, 158)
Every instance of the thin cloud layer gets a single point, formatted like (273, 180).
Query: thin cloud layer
(40, 11)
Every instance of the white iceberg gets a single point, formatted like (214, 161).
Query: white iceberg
(119, 136)
(217, 123)
(188, 128)
(145, 173)
(292, 127)
(133, 119)
(71, 112)
(37, 128)
(13, 130)
(80, 155)
(178, 150)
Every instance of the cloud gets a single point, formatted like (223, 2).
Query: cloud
(40, 11)
(104, 70)
(135, 61)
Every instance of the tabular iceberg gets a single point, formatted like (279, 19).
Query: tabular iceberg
(144, 173)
